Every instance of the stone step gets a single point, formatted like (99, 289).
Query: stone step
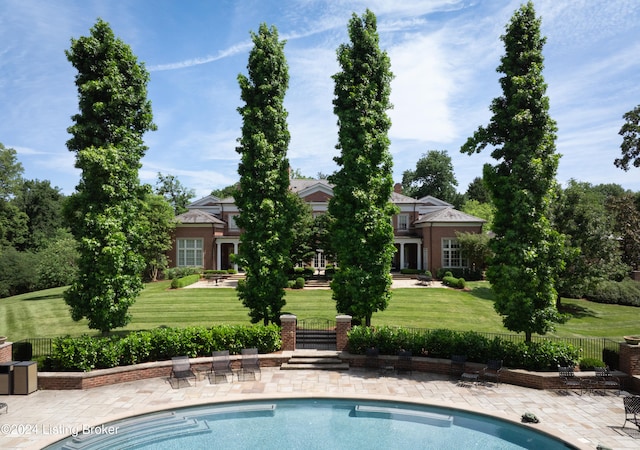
(309, 360)
(289, 366)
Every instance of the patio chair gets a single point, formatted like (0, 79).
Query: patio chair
(457, 365)
(492, 370)
(181, 370)
(250, 365)
(605, 380)
(632, 410)
(405, 362)
(372, 360)
(568, 378)
(221, 366)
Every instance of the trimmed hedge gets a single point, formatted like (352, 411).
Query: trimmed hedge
(86, 353)
(178, 283)
(458, 283)
(545, 355)
(626, 292)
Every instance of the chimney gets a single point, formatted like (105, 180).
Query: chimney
(397, 188)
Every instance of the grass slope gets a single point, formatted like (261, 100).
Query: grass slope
(44, 313)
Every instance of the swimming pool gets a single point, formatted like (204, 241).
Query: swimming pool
(312, 424)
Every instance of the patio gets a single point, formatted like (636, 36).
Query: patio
(36, 420)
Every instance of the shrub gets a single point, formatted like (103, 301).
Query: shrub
(299, 283)
(179, 272)
(178, 283)
(440, 343)
(458, 283)
(590, 363)
(626, 292)
(86, 353)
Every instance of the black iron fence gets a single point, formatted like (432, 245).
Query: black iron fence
(28, 349)
(597, 348)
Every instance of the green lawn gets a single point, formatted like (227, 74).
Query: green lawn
(44, 313)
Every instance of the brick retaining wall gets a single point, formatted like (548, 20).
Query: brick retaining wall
(6, 352)
(104, 377)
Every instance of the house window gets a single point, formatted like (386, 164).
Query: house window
(232, 222)
(190, 252)
(319, 261)
(451, 254)
(403, 222)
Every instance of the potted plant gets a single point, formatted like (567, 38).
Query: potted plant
(632, 340)
(3, 339)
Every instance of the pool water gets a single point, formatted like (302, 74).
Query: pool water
(314, 424)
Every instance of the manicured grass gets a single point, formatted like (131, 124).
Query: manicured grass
(44, 313)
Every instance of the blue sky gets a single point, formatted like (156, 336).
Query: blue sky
(443, 53)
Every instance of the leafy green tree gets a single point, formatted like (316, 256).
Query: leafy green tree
(157, 225)
(13, 222)
(263, 196)
(303, 245)
(433, 176)
(627, 224)
(524, 270)
(477, 191)
(484, 211)
(361, 232)
(592, 255)
(103, 214)
(17, 274)
(57, 262)
(225, 192)
(174, 192)
(476, 247)
(43, 205)
(630, 146)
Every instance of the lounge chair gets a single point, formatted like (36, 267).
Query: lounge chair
(492, 370)
(250, 365)
(568, 378)
(181, 369)
(457, 365)
(405, 362)
(605, 380)
(632, 410)
(221, 366)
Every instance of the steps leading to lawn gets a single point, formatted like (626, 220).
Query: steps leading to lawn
(314, 360)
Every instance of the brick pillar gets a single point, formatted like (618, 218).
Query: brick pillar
(343, 325)
(6, 352)
(630, 359)
(288, 332)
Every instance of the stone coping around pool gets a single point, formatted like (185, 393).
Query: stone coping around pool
(104, 377)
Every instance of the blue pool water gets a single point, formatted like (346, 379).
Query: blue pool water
(313, 424)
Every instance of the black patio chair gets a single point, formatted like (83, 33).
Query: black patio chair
(569, 379)
(250, 364)
(372, 358)
(221, 366)
(457, 365)
(632, 410)
(181, 370)
(492, 370)
(605, 380)
(405, 362)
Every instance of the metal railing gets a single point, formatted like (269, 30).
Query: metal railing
(27, 349)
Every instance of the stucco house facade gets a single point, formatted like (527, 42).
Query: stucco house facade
(424, 230)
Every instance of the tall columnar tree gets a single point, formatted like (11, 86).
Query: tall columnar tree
(114, 113)
(262, 196)
(527, 250)
(630, 146)
(361, 230)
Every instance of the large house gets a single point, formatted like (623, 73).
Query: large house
(424, 230)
